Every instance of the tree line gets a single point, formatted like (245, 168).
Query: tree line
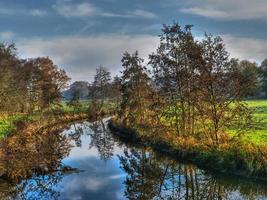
(191, 87)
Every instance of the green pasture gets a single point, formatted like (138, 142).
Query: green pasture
(258, 134)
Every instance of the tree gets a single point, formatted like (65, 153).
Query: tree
(220, 92)
(136, 90)
(12, 85)
(99, 91)
(175, 66)
(75, 101)
(102, 83)
(201, 89)
(46, 82)
(28, 84)
(78, 87)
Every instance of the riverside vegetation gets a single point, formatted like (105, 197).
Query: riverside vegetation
(189, 101)
(31, 90)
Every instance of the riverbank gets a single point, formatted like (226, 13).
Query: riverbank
(237, 157)
(31, 147)
(65, 159)
(9, 122)
(34, 146)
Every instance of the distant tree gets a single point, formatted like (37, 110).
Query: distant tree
(94, 107)
(102, 83)
(99, 91)
(136, 90)
(78, 87)
(115, 93)
(248, 74)
(263, 76)
(75, 100)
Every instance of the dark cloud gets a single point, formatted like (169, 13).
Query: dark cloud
(80, 35)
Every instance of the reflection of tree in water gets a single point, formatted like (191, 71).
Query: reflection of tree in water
(151, 177)
(76, 134)
(102, 140)
(37, 187)
(31, 164)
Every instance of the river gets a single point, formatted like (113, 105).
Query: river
(86, 162)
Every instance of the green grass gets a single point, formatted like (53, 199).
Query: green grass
(7, 124)
(64, 107)
(259, 134)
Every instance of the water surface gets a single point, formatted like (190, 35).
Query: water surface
(85, 161)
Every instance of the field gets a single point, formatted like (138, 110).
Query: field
(259, 134)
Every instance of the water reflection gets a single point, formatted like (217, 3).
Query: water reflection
(76, 134)
(86, 162)
(31, 164)
(150, 176)
(102, 139)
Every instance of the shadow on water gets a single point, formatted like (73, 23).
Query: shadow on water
(84, 161)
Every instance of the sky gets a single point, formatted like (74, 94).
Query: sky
(79, 35)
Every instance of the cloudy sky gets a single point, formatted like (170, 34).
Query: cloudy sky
(82, 34)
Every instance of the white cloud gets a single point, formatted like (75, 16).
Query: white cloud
(227, 9)
(81, 10)
(21, 11)
(206, 12)
(75, 10)
(81, 55)
(37, 12)
(253, 49)
(143, 13)
(7, 35)
(116, 176)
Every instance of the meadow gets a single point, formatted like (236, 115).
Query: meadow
(258, 135)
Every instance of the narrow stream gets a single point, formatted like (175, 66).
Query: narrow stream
(85, 162)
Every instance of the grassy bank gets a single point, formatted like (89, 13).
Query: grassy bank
(240, 157)
(8, 122)
(35, 146)
(245, 156)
